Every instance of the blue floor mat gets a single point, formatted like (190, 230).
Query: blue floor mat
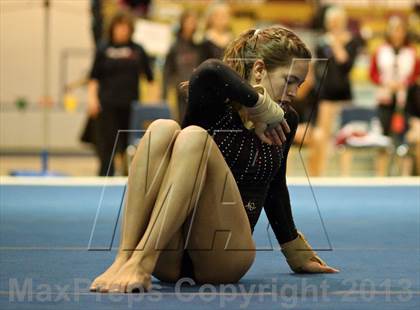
(374, 233)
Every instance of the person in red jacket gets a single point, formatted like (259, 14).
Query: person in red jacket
(394, 68)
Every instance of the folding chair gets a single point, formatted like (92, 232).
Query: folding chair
(145, 113)
(140, 114)
(363, 115)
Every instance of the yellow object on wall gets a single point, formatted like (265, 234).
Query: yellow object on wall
(70, 102)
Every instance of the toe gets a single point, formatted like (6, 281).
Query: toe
(114, 288)
(109, 287)
(135, 287)
(95, 285)
(103, 289)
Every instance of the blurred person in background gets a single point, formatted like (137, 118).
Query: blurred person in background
(307, 133)
(340, 47)
(183, 57)
(113, 86)
(413, 111)
(395, 68)
(413, 97)
(217, 32)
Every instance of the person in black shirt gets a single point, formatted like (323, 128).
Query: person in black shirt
(340, 47)
(195, 194)
(217, 32)
(183, 57)
(113, 85)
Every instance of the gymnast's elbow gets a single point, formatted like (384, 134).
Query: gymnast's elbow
(208, 70)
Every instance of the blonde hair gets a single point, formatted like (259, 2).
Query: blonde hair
(211, 10)
(275, 45)
(332, 12)
(205, 23)
(394, 22)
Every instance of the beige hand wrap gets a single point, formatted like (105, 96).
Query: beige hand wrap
(298, 252)
(265, 112)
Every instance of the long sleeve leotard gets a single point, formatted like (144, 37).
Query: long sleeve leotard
(258, 168)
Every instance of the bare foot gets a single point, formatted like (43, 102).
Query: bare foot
(130, 278)
(104, 279)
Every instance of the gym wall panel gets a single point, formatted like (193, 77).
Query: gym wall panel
(21, 45)
(23, 131)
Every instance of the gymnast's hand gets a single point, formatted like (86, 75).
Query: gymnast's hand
(277, 133)
(302, 258)
(268, 118)
(316, 267)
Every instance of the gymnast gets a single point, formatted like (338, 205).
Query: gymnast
(195, 192)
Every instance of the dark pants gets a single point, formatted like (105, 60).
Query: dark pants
(385, 113)
(108, 123)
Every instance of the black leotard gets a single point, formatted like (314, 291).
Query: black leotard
(258, 168)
